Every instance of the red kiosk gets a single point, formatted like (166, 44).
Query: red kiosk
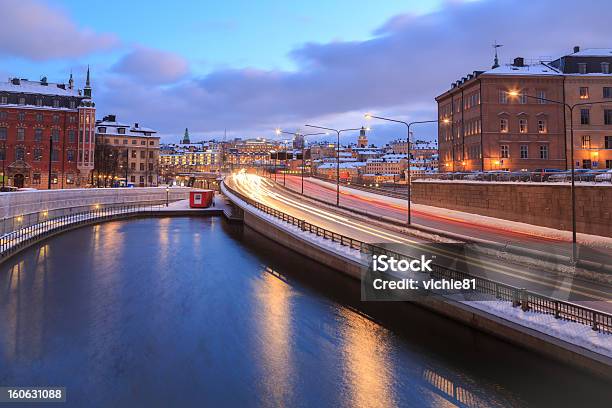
(201, 198)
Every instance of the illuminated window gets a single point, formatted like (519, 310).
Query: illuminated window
(605, 67)
(582, 68)
(503, 96)
(586, 142)
(504, 151)
(584, 92)
(542, 128)
(523, 125)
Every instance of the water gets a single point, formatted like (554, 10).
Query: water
(194, 312)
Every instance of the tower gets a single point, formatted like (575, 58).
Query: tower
(87, 89)
(86, 135)
(496, 60)
(362, 141)
(186, 137)
(71, 82)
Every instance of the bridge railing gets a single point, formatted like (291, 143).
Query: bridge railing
(527, 300)
(23, 237)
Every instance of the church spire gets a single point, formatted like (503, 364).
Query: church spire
(186, 137)
(87, 90)
(71, 81)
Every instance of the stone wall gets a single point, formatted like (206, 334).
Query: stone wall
(544, 204)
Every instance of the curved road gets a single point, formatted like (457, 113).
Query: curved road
(592, 294)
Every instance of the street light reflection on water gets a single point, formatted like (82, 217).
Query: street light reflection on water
(196, 312)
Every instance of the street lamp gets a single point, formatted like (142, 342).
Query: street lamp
(338, 131)
(516, 94)
(167, 196)
(303, 147)
(408, 175)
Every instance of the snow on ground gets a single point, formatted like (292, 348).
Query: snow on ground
(575, 333)
(483, 220)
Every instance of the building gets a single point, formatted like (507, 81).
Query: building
(186, 137)
(129, 154)
(588, 82)
(207, 159)
(393, 164)
(46, 133)
(362, 140)
(481, 127)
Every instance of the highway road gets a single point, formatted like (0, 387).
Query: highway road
(363, 201)
(592, 294)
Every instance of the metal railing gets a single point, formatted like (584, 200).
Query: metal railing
(527, 300)
(29, 233)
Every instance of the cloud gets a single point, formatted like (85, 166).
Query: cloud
(410, 60)
(152, 66)
(35, 31)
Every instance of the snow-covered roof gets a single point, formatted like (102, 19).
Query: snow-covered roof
(343, 165)
(113, 126)
(35, 87)
(533, 69)
(593, 52)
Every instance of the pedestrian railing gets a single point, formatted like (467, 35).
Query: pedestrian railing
(23, 237)
(519, 297)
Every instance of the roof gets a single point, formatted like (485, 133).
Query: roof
(533, 69)
(593, 52)
(129, 129)
(343, 165)
(35, 87)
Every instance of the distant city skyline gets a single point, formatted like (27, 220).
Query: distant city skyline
(250, 69)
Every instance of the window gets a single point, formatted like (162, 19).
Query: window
(143, 142)
(584, 92)
(71, 136)
(585, 116)
(142, 167)
(38, 135)
(523, 125)
(36, 178)
(56, 118)
(55, 103)
(72, 104)
(116, 141)
(524, 152)
(503, 96)
(605, 67)
(54, 178)
(142, 154)
(121, 131)
(39, 101)
(101, 130)
(542, 128)
(133, 152)
(134, 141)
(150, 166)
(19, 153)
(151, 155)
(39, 117)
(586, 164)
(2, 133)
(607, 92)
(607, 116)
(20, 134)
(3, 115)
(608, 164)
(544, 152)
(37, 154)
(503, 125)
(72, 119)
(504, 151)
(21, 116)
(21, 100)
(133, 166)
(125, 141)
(55, 135)
(70, 155)
(2, 153)
(586, 142)
(541, 96)
(55, 155)
(523, 97)
(142, 179)
(151, 143)
(608, 142)
(3, 100)
(582, 68)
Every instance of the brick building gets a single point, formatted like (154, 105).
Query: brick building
(46, 134)
(489, 129)
(137, 151)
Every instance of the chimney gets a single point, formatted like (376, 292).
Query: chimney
(110, 118)
(576, 49)
(519, 62)
(136, 125)
(15, 81)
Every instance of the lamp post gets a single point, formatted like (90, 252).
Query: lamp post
(167, 196)
(516, 94)
(408, 175)
(303, 147)
(338, 131)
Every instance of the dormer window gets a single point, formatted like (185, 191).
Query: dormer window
(56, 103)
(605, 67)
(22, 100)
(72, 104)
(39, 101)
(101, 130)
(121, 131)
(582, 68)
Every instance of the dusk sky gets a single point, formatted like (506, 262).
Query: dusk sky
(252, 66)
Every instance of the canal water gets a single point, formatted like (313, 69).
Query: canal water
(185, 312)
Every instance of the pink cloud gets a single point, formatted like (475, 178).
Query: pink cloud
(153, 66)
(33, 30)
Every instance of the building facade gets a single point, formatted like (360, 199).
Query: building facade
(46, 134)
(131, 154)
